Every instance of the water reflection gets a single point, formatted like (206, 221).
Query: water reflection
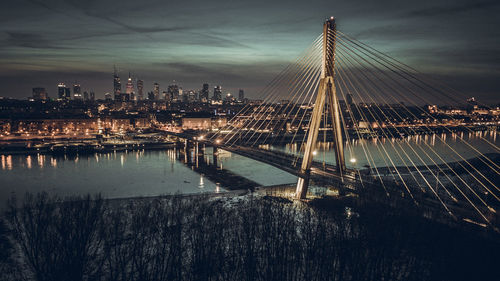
(421, 149)
(152, 173)
(28, 161)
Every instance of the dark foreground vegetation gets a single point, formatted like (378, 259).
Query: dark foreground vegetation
(240, 238)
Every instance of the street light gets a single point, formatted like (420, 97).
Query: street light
(353, 160)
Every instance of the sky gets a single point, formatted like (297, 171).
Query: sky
(236, 44)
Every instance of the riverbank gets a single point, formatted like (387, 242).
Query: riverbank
(81, 147)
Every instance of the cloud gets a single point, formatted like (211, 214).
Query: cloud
(29, 40)
(448, 9)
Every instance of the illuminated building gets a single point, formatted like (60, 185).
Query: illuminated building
(130, 88)
(77, 92)
(217, 93)
(40, 94)
(140, 88)
(204, 93)
(117, 86)
(63, 92)
(156, 91)
(241, 95)
(173, 91)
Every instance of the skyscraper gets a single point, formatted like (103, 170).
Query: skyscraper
(173, 91)
(140, 88)
(241, 95)
(63, 92)
(39, 94)
(77, 91)
(156, 91)
(92, 96)
(85, 96)
(130, 88)
(204, 93)
(217, 93)
(117, 86)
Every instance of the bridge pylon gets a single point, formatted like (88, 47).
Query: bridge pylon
(326, 94)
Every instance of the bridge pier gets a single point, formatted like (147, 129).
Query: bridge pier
(214, 155)
(326, 95)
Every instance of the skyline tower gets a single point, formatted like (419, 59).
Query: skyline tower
(204, 93)
(117, 86)
(77, 91)
(63, 92)
(39, 94)
(241, 95)
(129, 91)
(217, 93)
(173, 92)
(140, 89)
(156, 91)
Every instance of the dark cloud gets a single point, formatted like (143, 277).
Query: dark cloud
(453, 8)
(29, 40)
(234, 43)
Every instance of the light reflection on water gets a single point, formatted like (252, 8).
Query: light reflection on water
(149, 173)
(421, 149)
(117, 174)
(418, 148)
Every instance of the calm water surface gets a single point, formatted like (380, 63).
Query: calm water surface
(149, 173)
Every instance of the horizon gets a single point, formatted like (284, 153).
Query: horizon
(244, 46)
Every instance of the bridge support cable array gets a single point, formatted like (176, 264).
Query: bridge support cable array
(266, 112)
(389, 88)
(269, 93)
(367, 103)
(349, 55)
(414, 77)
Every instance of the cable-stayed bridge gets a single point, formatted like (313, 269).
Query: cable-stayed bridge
(340, 91)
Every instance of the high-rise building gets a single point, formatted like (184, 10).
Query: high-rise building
(241, 95)
(156, 91)
(107, 97)
(92, 96)
(63, 92)
(77, 92)
(204, 93)
(40, 94)
(140, 88)
(117, 86)
(189, 96)
(85, 96)
(151, 95)
(130, 88)
(217, 93)
(173, 91)
(60, 91)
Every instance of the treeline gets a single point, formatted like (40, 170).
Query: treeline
(201, 238)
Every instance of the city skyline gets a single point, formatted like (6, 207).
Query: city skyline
(239, 45)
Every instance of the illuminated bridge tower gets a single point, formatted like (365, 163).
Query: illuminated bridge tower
(326, 94)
